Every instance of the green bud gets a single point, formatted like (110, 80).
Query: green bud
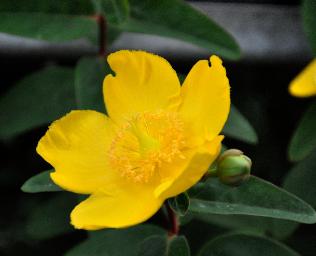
(233, 167)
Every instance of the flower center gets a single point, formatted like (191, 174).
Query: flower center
(144, 143)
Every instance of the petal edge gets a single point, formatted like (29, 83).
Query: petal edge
(304, 84)
(76, 146)
(205, 99)
(120, 208)
(142, 82)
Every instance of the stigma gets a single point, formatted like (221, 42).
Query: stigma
(144, 143)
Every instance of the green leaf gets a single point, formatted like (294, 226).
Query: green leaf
(177, 19)
(37, 100)
(279, 229)
(301, 180)
(303, 141)
(47, 6)
(115, 11)
(255, 197)
(309, 22)
(238, 127)
(51, 218)
(40, 183)
(178, 246)
(245, 245)
(49, 27)
(155, 245)
(180, 204)
(158, 245)
(89, 76)
(115, 242)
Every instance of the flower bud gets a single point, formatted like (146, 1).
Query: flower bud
(233, 167)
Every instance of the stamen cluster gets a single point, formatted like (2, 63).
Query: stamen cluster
(145, 142)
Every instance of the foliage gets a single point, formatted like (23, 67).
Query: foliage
(259, 213)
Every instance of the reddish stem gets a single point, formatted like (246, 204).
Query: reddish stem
(174, 224)
(102, 34)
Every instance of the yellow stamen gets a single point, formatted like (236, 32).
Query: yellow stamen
(144, 143)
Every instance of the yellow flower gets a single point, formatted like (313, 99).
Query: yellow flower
(304, 85)
(158, 140)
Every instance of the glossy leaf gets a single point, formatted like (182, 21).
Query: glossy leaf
(51, 217)
(279, 229)
(180, 204)
(47, 6)
(115, 242)
(303, 141)
(301, 180)
(40, 183)
(238, 127)
(36, 100)
(158, 245)
(245, 245)
(49, 27)
(177, 19)
(255, 197)
(89, 76)
(309, 21)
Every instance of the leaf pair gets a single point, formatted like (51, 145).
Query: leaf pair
(210, 201)
(255, 197)
(147, 240)
(169, 18)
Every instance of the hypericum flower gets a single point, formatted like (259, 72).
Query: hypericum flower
(158, 140)
(304, 85)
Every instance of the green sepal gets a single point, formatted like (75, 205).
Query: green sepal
(180, 204)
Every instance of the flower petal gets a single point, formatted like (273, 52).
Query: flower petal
(76, 146)
(304, 85)
(117, 206)
(205, 99)
(142, 82)
(193, 172)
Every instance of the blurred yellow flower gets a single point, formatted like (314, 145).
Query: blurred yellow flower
(304, 85)
(158, 140)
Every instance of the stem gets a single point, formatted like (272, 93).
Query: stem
(174, 224)
(102, 34)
